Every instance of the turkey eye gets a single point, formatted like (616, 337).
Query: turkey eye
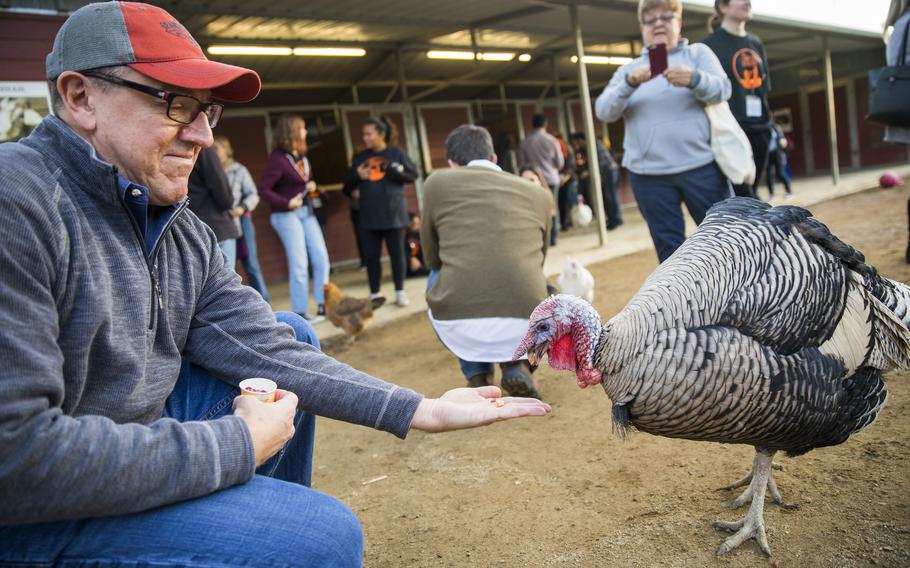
(543, 327)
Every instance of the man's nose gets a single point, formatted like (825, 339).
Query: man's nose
(198, 132)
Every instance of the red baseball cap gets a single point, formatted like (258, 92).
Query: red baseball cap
(149, 40)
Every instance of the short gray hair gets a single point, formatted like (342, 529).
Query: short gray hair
(467, 143)
(57, 101)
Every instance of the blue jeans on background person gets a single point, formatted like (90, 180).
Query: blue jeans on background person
(229, 248)
(303, 243)
(251, 260)
(609, 181)
(660, 197)
(274, 519)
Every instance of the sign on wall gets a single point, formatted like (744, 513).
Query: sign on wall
(23, 104)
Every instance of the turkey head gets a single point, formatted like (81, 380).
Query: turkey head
(566, 328)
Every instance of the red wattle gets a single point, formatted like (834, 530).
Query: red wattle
(562, 354)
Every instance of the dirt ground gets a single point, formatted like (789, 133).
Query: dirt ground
(563, 491)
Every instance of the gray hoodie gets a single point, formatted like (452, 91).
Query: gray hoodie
(92, 330)
(667, 131)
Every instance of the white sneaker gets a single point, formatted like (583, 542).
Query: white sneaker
(401, 298)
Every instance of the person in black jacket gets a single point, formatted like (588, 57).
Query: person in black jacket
(212, 199)
(376, 180)
(609, 177)
(742, 56)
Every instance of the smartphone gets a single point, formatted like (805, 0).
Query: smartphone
(657, 56)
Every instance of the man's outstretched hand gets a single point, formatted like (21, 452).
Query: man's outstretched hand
(467, 408)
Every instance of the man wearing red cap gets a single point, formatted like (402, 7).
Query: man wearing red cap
(117, 441)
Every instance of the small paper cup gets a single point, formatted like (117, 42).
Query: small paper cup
(262, 389)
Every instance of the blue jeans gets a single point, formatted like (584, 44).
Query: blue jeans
(468, 368)
(303, 244)
(660, 197)
(251, 260)
(272, 520)
(229, 248)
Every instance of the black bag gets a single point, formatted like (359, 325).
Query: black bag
(889, 91)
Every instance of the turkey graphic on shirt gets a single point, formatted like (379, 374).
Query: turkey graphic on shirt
(748, 68)
(377, 166)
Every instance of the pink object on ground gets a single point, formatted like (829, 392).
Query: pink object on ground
(890, 179)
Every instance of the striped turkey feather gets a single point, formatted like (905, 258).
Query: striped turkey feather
(763, 328)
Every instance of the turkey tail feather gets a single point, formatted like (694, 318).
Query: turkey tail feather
(891, 312)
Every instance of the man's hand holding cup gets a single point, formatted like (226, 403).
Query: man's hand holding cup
(271, 424)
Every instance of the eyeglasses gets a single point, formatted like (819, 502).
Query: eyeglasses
(664, 19)
(180, 108)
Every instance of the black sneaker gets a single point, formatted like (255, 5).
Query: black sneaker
(516, 382)
(481, 380)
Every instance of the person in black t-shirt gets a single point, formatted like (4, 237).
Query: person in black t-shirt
(376, 179)
(742, 56)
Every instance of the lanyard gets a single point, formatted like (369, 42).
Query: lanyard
(302, 166)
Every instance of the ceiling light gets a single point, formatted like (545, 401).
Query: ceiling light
(470, 55)
(330, 51)
(247, 50)
(463, 55)
(603, 60)
(501, 56)
(524, 57)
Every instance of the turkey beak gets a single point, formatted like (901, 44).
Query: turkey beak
(533, 358)
(526, 347)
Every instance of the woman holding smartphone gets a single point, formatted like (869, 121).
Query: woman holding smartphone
(286, 185)
(667, 143)
(743, 57)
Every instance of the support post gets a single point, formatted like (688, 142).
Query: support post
(832, 120)
(402, 83)
(590, 137)
(560, 102)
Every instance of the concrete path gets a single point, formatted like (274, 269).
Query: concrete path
(581, 244)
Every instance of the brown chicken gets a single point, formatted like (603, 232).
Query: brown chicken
(353, 315)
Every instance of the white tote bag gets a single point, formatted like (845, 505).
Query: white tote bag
(731, 147)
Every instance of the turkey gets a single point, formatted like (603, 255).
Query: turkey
(762, 329)
(576, 280)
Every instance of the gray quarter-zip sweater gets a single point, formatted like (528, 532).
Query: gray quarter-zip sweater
(667, 131)
(92, 330)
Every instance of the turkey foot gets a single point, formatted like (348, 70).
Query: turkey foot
(753, 524)
(746, 496)
(748, 478)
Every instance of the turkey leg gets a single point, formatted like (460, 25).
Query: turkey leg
(753, 524)
(747, 494)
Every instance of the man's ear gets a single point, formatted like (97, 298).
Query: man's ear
(494, 158)
(77, 100)
(453, 164)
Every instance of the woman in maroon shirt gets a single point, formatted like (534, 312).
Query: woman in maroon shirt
(287, 185)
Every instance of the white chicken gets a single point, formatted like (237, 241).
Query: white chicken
(576, 280)
(582, 215)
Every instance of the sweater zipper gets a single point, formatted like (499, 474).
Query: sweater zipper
(151, 260)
